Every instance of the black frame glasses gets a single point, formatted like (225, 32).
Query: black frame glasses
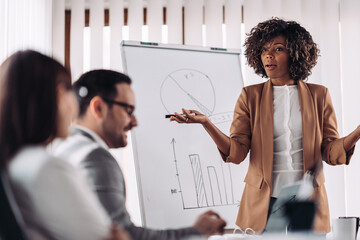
(129, 108)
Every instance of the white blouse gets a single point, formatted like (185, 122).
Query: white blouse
(288, 164)
(55, 200)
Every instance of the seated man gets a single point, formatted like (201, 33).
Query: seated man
(107, 105)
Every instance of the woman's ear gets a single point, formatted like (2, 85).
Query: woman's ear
(98, 107)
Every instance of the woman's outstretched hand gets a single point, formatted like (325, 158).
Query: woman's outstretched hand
(189, 116)
(351, 139)
(192, 116)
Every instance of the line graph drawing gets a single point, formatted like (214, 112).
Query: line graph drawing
(218, 192)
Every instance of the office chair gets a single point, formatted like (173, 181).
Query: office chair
(11, 222)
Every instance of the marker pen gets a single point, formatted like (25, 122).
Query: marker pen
(173, 115)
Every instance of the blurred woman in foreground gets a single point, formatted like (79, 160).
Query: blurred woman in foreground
(36, 106)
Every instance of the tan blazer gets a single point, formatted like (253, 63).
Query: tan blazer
(252, 129)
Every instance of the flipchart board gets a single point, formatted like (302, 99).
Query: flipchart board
(180, 173)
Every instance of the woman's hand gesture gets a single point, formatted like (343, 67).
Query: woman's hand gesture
(192, 116)
(189, 116)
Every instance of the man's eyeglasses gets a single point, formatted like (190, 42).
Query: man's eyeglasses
(128, 108)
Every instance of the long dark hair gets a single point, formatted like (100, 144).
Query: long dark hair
(28, 101)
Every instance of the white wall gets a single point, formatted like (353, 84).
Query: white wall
(25, 24)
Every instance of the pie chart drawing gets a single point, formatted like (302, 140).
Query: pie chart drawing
(189, 89)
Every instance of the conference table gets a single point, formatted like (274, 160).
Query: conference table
(289, 236)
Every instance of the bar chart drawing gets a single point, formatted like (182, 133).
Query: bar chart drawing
(214, 186)
(219, 190)
(198, 181)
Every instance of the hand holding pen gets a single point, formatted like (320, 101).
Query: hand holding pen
(189, 116)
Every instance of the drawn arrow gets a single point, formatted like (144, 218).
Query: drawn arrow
(177, 171)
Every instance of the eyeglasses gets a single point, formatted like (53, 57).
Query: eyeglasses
(128, 108)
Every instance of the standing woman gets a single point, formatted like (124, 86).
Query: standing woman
(36, 106)
(288, 125)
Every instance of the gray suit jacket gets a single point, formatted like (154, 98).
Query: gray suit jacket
(107, 181)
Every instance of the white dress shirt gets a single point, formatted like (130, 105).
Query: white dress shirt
(288, 164)
(96, 137)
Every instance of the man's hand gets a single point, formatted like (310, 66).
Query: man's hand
(117, 233)
(210, 223)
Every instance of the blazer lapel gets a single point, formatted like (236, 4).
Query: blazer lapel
(308, 123)
(267, 131)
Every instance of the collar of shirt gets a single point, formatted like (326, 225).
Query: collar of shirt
(95, 136)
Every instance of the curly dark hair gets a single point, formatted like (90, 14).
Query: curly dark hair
(303, 51)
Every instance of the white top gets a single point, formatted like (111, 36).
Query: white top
(288, 166)
(55, 200)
